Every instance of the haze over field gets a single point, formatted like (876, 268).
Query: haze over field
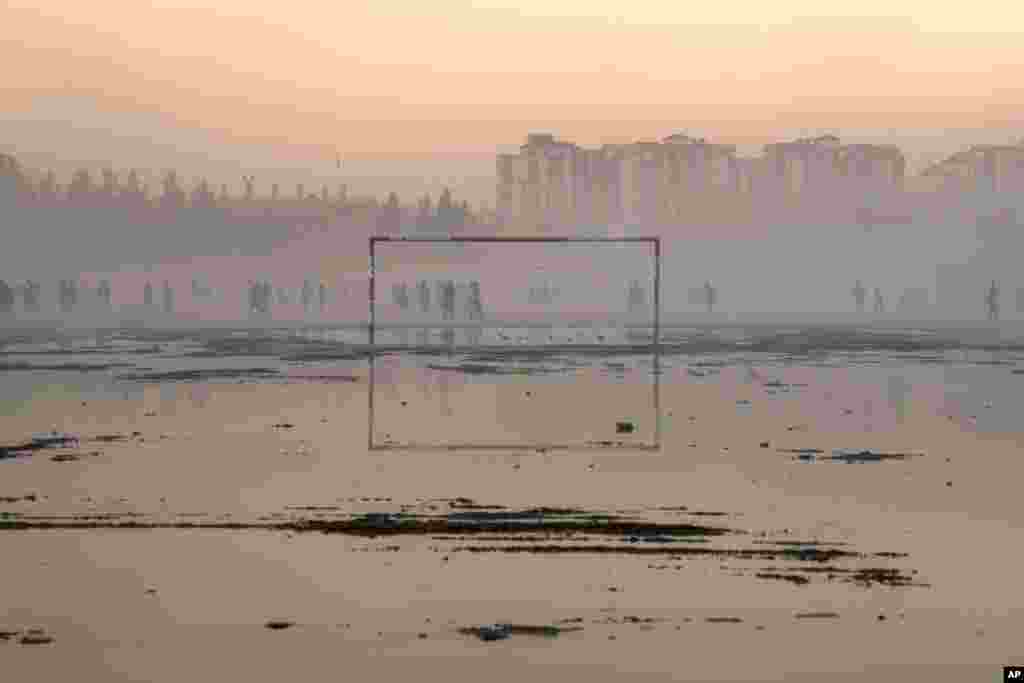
(414, 95)
(307, 364)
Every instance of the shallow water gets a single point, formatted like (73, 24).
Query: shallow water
(871, 375)
(232, 476)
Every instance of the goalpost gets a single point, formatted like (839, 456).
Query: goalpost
(478, 295)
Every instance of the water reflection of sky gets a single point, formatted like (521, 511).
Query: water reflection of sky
(836, 390)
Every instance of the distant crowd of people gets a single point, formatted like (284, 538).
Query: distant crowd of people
(262, 296)
(860, 293)
(70, 296)
(444, 294)
(447, 295)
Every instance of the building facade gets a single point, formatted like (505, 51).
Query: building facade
(554, 185)
(986, 168)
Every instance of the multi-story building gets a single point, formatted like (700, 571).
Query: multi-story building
(807, 166)
(640, 166)
(872, 168)
(823, 175)
(512, 178)
(12, 179)
(995, 168)
(537, 188)
(1000, 168)
(683, 179)
(695, 176)
(553, 183)
(955, 173)
(750, 173)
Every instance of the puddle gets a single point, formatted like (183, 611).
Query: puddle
(848, 456)
(503, 631)
(201, 375)
(62, 367)
(39, 442)
(278, 625)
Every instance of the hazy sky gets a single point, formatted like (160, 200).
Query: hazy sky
(400, 86)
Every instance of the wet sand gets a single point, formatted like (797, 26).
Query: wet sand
(766, 539)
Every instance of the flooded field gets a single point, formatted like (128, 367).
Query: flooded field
(732, 504)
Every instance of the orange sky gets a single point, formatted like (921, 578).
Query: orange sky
(453, 78)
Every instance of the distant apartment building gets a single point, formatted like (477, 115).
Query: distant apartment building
(12, 179)
(805, 166)
(640, 166)
(750, 174)
(872, 168)
(995, 168)
(551, 183)
(602, 195)
(955, 173)
(695, 175)
(512, 178)
(537, 187)
(1000, 167)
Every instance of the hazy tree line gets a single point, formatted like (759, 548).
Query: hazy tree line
(100, 223)
(169, 199)
(129, 188)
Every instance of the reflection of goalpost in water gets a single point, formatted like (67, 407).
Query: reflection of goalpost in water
(417, 294)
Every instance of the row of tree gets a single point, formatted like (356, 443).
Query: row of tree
(131, 190)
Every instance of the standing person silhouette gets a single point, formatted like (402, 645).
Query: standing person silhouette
(253, 295)
(474, 302)
(168, 297)
(268, 296)
(404, 299)
(307, 295)
(68, 295)
(440, 296)
(859, 295)
(710, 296)
(635, 296)
(424, 296)
(259, 297)
(879, 301)
(992, 301)
(6, 298)
(448, 299)
(105, 292)
(31, 296)
(147, 294)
